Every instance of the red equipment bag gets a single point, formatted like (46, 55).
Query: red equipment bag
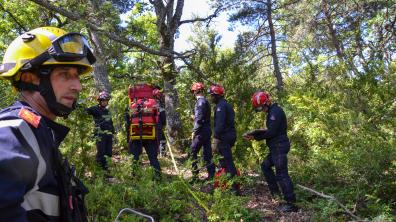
(222, 183)
(140, 91)
(143, 112)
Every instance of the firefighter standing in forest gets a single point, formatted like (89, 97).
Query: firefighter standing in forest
(224, 131)
(136, 146)
(201, 132)
(104, 128)
(44, 65)
(279, 145)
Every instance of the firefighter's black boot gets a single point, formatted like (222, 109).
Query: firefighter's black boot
(287, 207)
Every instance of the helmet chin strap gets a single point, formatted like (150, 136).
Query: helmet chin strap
(100, 104)
(216, 98)
(266, 106)
(46, 90)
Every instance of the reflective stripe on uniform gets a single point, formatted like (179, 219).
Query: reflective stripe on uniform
(33, 199)
(47, 203)
(31, 140)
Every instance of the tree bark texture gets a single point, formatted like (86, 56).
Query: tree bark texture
(275, 60)
(101, 73)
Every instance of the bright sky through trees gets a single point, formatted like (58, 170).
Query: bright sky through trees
(201, 8)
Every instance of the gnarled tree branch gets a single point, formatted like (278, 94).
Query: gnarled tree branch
(207, 19)
(76, 17)
(113, 36)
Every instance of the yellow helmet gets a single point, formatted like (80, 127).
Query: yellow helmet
(46, 46)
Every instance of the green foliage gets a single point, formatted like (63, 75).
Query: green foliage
(227, 207)
(341, 108)
(341, 148)
(7, 94)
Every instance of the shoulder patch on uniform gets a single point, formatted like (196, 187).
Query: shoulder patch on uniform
(30, 117)
(272, 117)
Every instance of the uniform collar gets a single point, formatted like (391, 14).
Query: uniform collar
(60, 131)
(221, 99)
(200, 97)
(272, 106)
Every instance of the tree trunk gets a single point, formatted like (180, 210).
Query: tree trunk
(168, 20)
(333, 34)
(337, 44)
(275, 60)
(174, 124)
(100, 74)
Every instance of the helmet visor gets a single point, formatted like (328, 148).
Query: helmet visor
(72, 47)
(73, 43)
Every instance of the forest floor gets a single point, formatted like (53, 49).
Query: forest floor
(259, 198)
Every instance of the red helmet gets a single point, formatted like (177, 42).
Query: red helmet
(216, 90)
(197, 86)
(103, 96)
(260, 98)
(157, 93)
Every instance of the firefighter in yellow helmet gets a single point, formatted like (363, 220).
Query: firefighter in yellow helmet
(44, 65)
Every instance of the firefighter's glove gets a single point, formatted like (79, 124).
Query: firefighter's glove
(247, 136)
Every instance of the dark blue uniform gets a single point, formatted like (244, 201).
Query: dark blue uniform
(279, 146)
(103, 133)
(202, 134)
(225, 134)
(29, 189)
(136, 146)
(151, 147)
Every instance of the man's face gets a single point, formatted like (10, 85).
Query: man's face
(262, 108)
(198, 93)
(66, 84)
(265, 109)
(104, 103)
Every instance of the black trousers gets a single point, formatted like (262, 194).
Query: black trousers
(226, 160)
(198, 142)
(151, 147)
(104, 147)
(278, 158)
